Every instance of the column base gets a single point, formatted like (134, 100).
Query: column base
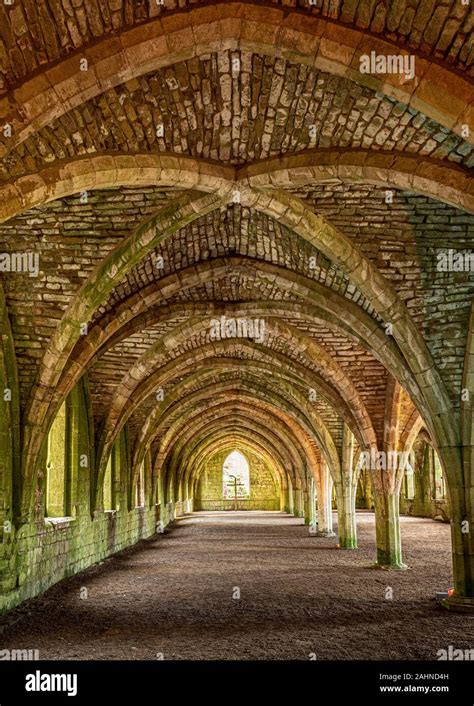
(347, 544)
(459, 604)
(325, 534)
(387, 567)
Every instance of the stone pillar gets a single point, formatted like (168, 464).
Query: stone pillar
(170, 508)
(346, 513)
(283, 497)
(301, 502)
(298, 502)
(461, 495)
(458, 468)
(165, 507)
(364, 491)
(463, 554)
(387, 471)
(387, 528)
(387, 483)
(324, 511)
(289, 498)
(346, 488)
(424, 483)
(312, 502)
(306, 504)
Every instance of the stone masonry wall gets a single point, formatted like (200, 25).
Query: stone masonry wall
(264, 494)
(46, 553)
(46, 550)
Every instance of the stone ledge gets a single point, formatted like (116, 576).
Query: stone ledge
(59, 522)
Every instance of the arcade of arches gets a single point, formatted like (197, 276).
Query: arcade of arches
(219, 235)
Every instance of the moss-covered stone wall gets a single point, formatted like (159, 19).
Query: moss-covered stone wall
(45, 550)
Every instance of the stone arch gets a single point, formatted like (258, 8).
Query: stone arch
(291, 212)
(313, 425)
(240, 446)
(222, 441)
(214, 415)
(258, 369)
(434, 178)
(444, 181)
(291, 416)
(329, 307)
(151, 431)
(145, 366)
(438, 92)
(225, 414)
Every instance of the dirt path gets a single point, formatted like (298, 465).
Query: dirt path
(173, 596)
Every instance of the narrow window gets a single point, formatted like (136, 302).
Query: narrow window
(140, 487)
(112, 478)
(235, 477)
(57, 467)
(440, 485)
(108, 486)
(409, 483)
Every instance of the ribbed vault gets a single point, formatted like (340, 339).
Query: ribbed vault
(228, 164)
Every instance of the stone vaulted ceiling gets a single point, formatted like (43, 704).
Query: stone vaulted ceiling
(34, 34)
(193, 171)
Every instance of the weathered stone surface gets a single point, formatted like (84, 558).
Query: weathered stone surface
(228, 162)
(33, 36)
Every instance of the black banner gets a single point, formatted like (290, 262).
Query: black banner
(88, 682)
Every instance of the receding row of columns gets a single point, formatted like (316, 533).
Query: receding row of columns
(314, 503)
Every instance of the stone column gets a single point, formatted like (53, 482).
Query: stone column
(298, 502)
(312, 502)
(364, 498)
(324, 501)
(387, 529)
(164, 506)
(387, 469)
(283, 497)
(307, 504)
(387, 477)
(346, 513)
(461, 495)
(290, 508)
(346, 487)
(424, 483)
(462, 528)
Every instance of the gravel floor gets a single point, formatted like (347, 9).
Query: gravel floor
(173, 597)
